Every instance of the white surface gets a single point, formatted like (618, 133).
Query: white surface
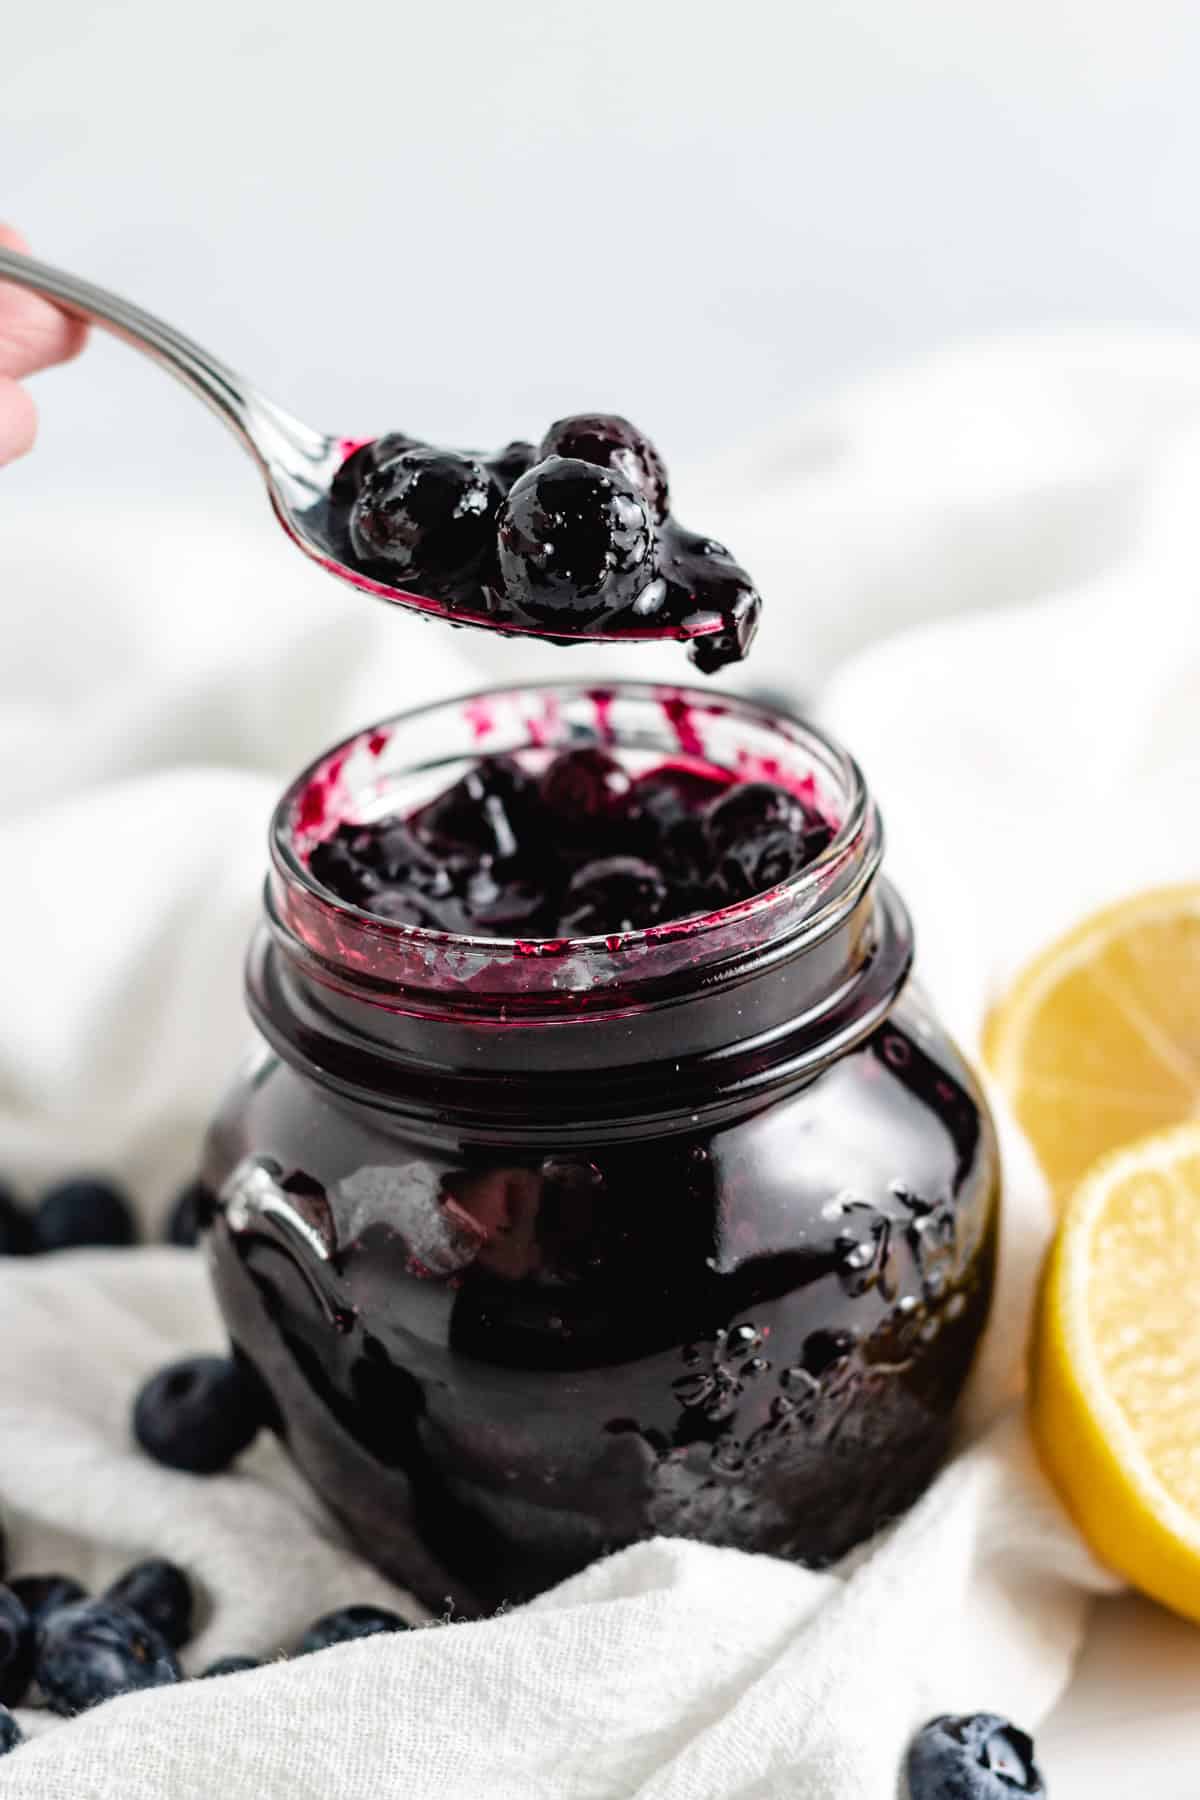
(147, 713)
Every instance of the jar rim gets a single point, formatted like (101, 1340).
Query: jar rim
(814, 879)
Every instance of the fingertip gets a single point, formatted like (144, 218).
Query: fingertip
(18, 421)
(12, 239)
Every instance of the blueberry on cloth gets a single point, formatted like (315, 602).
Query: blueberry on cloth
(230, 1665)
(347, 1623)
(83, 1213)
(971, 1756)
(92, 1651)
(16, 1227)
(198, 1414)
(16, 1648)
(159, 1592)
(10, 1732)
(44, 1594)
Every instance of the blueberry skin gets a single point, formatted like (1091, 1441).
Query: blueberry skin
(971, 1756)
(230, 1665)
(91, 1651)
(16, 1226)
(41, 1595)
(198, 1414)
(346, 1623)
(10, 1732)
(16, 1648)
(80, 1214)
(159, 1592)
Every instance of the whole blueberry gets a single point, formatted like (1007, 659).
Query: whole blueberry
(509, 464)
(198, 1414)
(159, 1592)
(41, 1595)
(16, 1227)
(615, 893)
(576, 544)
(16, 1648)
(427, 518)
(230, 1665)
(972, 1756)
(10, 1732)
(191, 1208)
(489, 812)
(611, 442)
(92, 1651)
(759, 837)
(81, 1213)
(346, 1623)
(585, 788)
(371, 455)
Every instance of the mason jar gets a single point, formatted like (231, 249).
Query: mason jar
(542, 1247)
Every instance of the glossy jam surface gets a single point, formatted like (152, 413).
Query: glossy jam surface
(574, 847)
(571, 539)
(496, 1365)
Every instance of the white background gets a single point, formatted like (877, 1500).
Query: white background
(464, 218)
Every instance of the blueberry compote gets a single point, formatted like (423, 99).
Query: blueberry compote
(591, 1221)
(573, 538)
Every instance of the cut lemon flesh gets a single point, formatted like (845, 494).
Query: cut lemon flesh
(1098, 1041)
(1115, 1378)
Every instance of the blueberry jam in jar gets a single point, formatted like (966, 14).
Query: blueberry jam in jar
(541, 1245)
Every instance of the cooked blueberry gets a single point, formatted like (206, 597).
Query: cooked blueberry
(44, 1594)
(159, 1592)
(427, 518)
(230, 1665)
(488, 812)
(612, 443)
(975, 1756)
(585, 789)
(16, 1648)
(703, 582)
(757, 832)
(501, 905)
(92, 1651)
(371, 455)
(16, 1227)
(616, 893)
(576, 544)
(10, 1732)
(190, 1210)
(509, 464)
(199, 1414)
(81, 1213)
(347, 1623)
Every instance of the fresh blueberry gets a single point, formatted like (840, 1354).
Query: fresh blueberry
(10, 1732)
(16, 1227)
(347, 1623)
(198, 1414)
(92, 1651)
(230, 1665)
(759, 836)
(611, 442)
(616, 893)
(576, 545)
(81, 1213)
(509, 464)
(427, 519)
(159, 1592)
(41, 1595)
(343, 489)
(191, 1209)
(973, 1756)
(585, 789)
(16, 1648)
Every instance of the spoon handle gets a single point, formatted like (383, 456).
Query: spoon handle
(254, 420)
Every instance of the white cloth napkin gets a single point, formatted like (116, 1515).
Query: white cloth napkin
(1031, 758)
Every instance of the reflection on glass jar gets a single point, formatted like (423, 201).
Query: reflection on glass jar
(544, 1248)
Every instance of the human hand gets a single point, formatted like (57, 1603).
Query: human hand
(33, 335)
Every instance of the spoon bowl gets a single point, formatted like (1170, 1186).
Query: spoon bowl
(296, 462)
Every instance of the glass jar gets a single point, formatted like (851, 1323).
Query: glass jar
(540, 1248)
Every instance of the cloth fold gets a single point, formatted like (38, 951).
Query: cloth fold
(1034, 755)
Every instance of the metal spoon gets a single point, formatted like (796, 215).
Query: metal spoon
(297, 463)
